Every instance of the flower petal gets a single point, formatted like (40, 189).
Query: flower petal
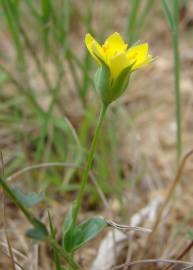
(115, 42)
(118, 63)
(94, 48)
(113, 45)
(138, 54)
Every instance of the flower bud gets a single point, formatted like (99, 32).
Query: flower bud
(110, 89)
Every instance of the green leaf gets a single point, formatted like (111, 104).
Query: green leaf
(87, 231)
(38, 232)
(68, 229)
(29, 199)
(68, 220)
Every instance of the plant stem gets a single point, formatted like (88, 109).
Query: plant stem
(64, 254)
(11, 194)
(88, 164)
(177, 79)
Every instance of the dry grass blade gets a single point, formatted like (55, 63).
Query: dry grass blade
(181, 255)
(188, 268)
(16, 263)
(154, 261)
(38, 166)
(169, 194)
(15, 251)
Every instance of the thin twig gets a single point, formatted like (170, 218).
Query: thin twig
(127, 227)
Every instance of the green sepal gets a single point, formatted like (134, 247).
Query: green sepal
(109, 89)
(119, 85)
(102, 82)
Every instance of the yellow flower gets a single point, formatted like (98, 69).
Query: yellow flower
(116, 54)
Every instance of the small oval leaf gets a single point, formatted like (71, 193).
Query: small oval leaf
(87, 231)
(38, 232)
(29, 199)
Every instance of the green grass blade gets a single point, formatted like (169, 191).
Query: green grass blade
(87, 59)
(145, 12)
(66, 23)
(46, 16)
(168, 15)
(32, 9)
(11, 22)
(177, 79)
(173, 24)
(132, 21)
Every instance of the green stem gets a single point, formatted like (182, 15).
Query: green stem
(88, 164)
(11, 194)
(64, 254)
(177, 80)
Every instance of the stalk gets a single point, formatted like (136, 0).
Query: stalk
(173, 23)
(88, 164)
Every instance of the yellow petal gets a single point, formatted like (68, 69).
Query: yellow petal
(113, 45)
(115, 41)
(138, 54)
(94, 48)
(142, 64)
(118, 63)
